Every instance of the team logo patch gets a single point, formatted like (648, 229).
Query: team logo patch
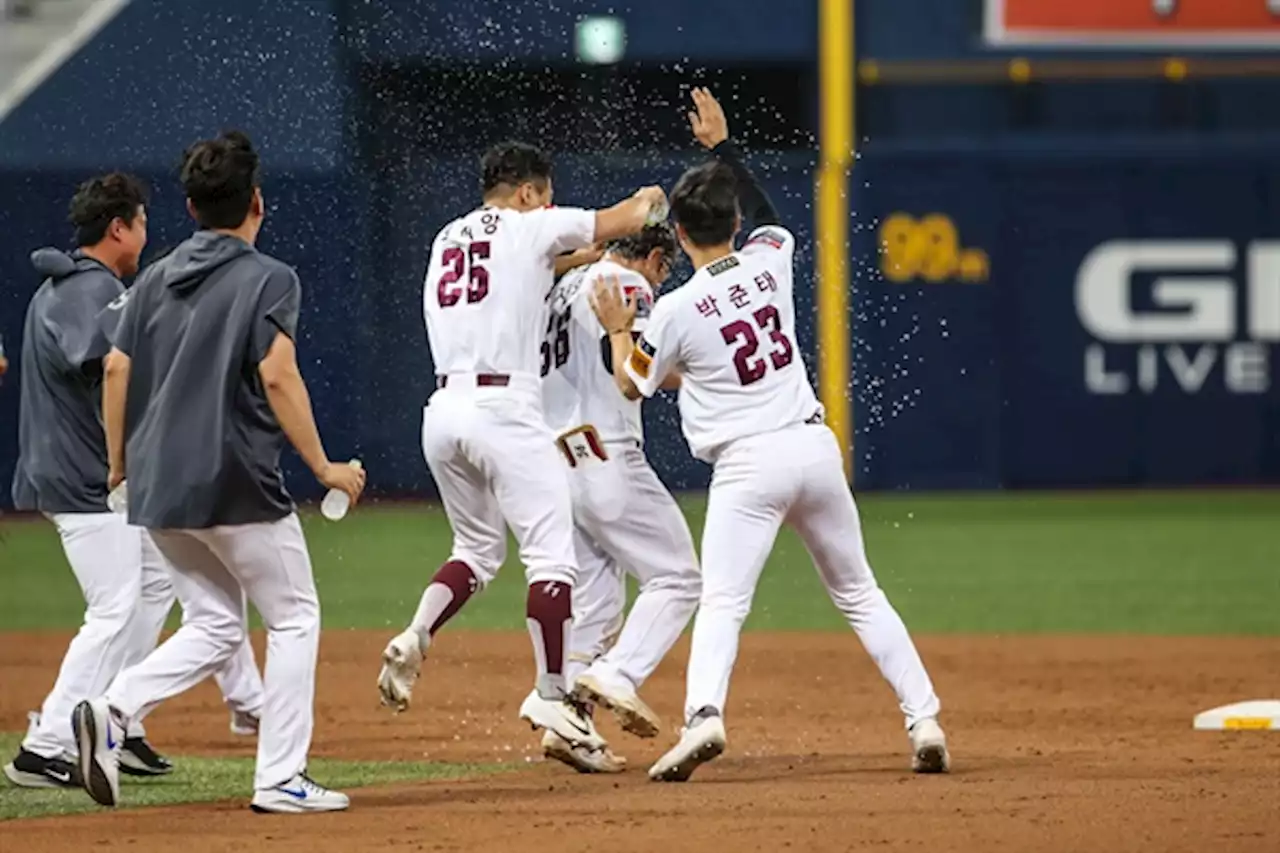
(723, 265)
(642, 357)
(767, 238)
(644, 302)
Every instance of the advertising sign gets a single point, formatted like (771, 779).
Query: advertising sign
(1180, 24)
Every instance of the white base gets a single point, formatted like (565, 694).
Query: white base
(1259, 714)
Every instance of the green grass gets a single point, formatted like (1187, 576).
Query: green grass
(1130, 562)
(205, 780)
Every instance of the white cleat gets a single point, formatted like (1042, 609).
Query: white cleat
(562, 717)
(245, 723)
(632, 713)
(99, 737)
(580, 758)
(300, 795)
(701, 741)
(929, 747)
(401, 663)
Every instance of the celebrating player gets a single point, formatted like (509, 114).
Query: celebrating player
(62, 472)
(202, 389)
(483, 432)
(625, 520)
(747, 407)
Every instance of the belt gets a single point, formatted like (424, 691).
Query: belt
(483, 380)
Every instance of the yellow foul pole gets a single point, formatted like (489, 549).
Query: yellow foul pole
(835, 159)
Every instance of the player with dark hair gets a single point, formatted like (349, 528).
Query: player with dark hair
(746, 407)
(625, 520)
(202, 391)
(484, 436)
(62, 472)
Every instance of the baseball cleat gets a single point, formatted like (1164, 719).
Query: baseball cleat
(563, 717)
(401, 663)
(632, 713)
(702, 740)
(245, 723)
(929, 747)
(137, 758)
(299, 795)
(99, 737)
(580, 758)
(29, 770)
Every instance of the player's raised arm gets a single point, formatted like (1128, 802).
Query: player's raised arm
(711, 129)
(628, 217)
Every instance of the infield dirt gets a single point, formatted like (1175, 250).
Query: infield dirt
(1058, 744)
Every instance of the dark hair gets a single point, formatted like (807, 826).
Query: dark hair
(638, 246)
(219, 176)
(512, 164)
(100, 201)
(705, 204)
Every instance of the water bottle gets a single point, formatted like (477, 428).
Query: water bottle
(658, 213)
(118, 500)
(336, 503)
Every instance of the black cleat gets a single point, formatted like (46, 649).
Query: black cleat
(137, 758)
(29, 770)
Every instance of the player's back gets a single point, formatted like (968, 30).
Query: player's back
(742, 372)
(486, 287)
(578, 387)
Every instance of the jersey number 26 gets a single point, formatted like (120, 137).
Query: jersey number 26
(750, 368)
(459, 264)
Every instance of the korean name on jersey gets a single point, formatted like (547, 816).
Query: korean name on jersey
(730, 332)
(578, 387)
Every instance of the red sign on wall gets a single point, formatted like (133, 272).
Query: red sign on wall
(1216, 24)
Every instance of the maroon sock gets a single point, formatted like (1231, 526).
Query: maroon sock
(549, 611)
(452, 587)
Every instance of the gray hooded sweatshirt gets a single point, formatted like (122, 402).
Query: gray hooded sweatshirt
(62, 452)
(202, 444)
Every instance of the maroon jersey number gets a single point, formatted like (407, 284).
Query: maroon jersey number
(740, 333)
(458, 265)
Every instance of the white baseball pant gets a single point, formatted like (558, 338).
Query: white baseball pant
(628, 523)
(128, 595)
(213, 571)
(495, 463)
(794, 475)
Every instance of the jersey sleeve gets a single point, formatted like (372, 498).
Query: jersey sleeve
(774, 242)
(556, 230)
(656, 351)
(81, 334)
(277, 311)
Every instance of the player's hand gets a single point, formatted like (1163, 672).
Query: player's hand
(710, 127)
(115, 477)
(4, 365)
(616, 312)
(656, 196)
(344, 478)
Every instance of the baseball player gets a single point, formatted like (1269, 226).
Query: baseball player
(62, 472)
(625, 520)
(201, 390)
(746, 407)
(483, 432)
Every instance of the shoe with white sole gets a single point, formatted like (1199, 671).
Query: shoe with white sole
(401, 663)
(29, 770)
(929, 747)
(139, 758)
(245, 723)
(632, 713)
(300, 795)
(702, 740)
(562, 716)
(99, 737)
(580, 758)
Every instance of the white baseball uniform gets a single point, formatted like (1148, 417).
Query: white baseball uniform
(746, 406)
(625, 520)
(128, 595)
(483, 432)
